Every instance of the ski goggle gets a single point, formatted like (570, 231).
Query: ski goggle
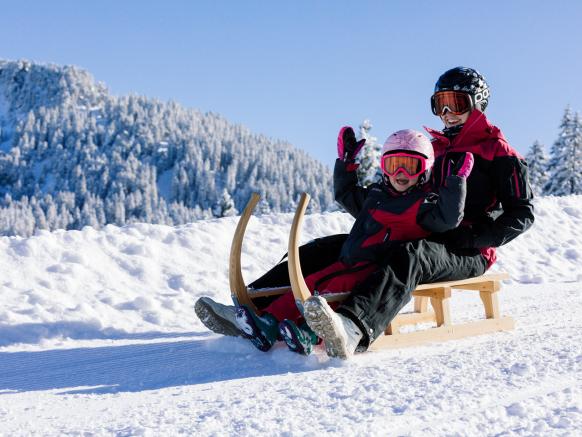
(407, 163)
(453, 101)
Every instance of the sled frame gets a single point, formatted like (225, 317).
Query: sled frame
(438, 294)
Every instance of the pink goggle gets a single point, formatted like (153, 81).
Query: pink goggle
(407, 163)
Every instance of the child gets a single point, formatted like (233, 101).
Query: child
(402, 207)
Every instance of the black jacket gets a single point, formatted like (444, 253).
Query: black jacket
(385, 216)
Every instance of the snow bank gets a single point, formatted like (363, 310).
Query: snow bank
(144, 279)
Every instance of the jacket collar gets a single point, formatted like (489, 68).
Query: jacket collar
(476, 129)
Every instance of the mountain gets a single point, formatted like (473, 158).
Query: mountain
(72, 155)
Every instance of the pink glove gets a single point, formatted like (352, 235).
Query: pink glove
(464, 166)
(347, 146)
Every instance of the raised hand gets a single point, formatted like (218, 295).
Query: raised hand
(464, 166)
(347, 146)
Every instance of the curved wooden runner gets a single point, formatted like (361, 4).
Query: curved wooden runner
(298, 285)
(238, 288)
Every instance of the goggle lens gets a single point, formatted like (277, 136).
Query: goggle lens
(455, 102)
(411, 165)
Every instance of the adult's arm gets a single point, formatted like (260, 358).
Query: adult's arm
(511, 183)
(515, 195)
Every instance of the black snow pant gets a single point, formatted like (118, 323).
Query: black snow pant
(377, 300)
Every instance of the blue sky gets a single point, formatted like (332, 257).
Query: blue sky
(300, 70)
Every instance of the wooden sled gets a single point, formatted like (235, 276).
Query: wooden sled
(437, 293)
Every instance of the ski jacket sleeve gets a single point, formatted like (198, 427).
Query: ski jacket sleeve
(347, 192)
(514, 192)
(444, 211)
(511, 185)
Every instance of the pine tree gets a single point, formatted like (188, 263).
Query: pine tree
(537, 162)
(369, 157)
(566, 160)
(263, 207)
(225, 206)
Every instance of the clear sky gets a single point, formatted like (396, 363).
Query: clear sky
(299, 70)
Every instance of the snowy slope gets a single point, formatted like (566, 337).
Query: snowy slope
(98, 336)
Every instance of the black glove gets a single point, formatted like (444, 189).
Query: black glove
(461, 237)
(347, 146)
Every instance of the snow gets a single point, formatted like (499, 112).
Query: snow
(98, 336)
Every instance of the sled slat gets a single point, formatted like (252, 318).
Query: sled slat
(443, 333)
(461, 283)
(265, 292)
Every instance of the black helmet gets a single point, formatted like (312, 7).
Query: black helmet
(465, 80)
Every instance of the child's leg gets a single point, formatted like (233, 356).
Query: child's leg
(284, 307)
(336, 278)
(347, 279)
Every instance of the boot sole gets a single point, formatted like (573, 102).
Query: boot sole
(213, 321)
(321, 320)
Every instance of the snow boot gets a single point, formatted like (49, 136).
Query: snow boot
(217, 317)
(262, 331)
(300, 338)
(340, 335)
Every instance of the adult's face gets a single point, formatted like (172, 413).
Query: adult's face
(449, 119)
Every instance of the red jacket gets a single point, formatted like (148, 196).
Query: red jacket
(498, 205)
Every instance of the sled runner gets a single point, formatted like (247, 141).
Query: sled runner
(438, 294)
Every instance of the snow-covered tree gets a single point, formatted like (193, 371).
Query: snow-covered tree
(89, 158)
(369, 157)
(537, 162)
(225, 206)
(263, 207)
(565, 166)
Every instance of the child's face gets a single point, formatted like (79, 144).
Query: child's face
(451, 120)
(401, 182)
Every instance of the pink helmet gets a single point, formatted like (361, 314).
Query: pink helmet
(409, 140)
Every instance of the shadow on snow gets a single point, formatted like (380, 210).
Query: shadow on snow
(34, 333)
(138, 367)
